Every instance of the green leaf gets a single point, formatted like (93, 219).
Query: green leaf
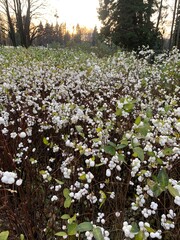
(138, 120)
(118, 112)
(151, 154)
(72, 229)
(61, 234)
(167, 108)
(97, 233)
(168, 151)
(4, 235)
(67, 202)
(150, 183)
(66, 192)
(135, 228)
(110, 150)
(163, 178)
(45, 141)
(121, 146)
(139, 236)
(65, 216)
(174, 192)
(157, 190)
(159, 161)
(149, 113)
(124, 142)
(79, 128)
(143, 130)
(84, 226)
(73, 219)
(103, 197)
(121, 157)
(128, 107)
(99, 164)
(98, 130)
(96, 140)
(112, 144)
(22, 237)
(149, 229)
(59, 182)
(82, 177)
(140, 153)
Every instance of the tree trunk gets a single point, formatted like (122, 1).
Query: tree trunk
(172, 26)
(177, 30)
(11, 30)
(159, 15)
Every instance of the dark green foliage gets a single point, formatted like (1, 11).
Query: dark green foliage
(128, 23)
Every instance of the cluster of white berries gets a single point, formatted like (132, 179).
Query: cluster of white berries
(100, 218)
(69, 143)
(90, 162)
(177, 200)
(127, 230)
(2, 121)
(54, 198)
(13, 135)
(55, 148)
(136, 164)
(108, 172)
(167, 224)
(156, 234)
(143, 227)
(89, 177)
(105, 233)
(148, 212)
(66, 172)
(79, 194)
(154, 206)
(10, 178)
(114, 163)
(89, 235)
(92, 198)
(46, 175)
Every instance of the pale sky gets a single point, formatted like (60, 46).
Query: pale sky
(73, 12)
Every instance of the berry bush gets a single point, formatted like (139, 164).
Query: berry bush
(89, 147)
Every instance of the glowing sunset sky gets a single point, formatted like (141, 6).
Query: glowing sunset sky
(72, 12)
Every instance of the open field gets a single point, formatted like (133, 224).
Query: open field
(89, 147)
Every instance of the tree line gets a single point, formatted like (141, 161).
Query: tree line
(128, 24)
(134, 23)
(18, 28)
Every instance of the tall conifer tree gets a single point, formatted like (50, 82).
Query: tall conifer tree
(128, 23)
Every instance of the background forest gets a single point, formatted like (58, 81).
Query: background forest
(128, 24)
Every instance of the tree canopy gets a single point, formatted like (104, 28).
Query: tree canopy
(128, 23)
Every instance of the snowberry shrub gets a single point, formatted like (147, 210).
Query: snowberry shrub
(89, 146)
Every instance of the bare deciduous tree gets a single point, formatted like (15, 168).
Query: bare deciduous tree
(20, 15)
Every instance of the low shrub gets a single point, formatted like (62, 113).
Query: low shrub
(88, 146)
